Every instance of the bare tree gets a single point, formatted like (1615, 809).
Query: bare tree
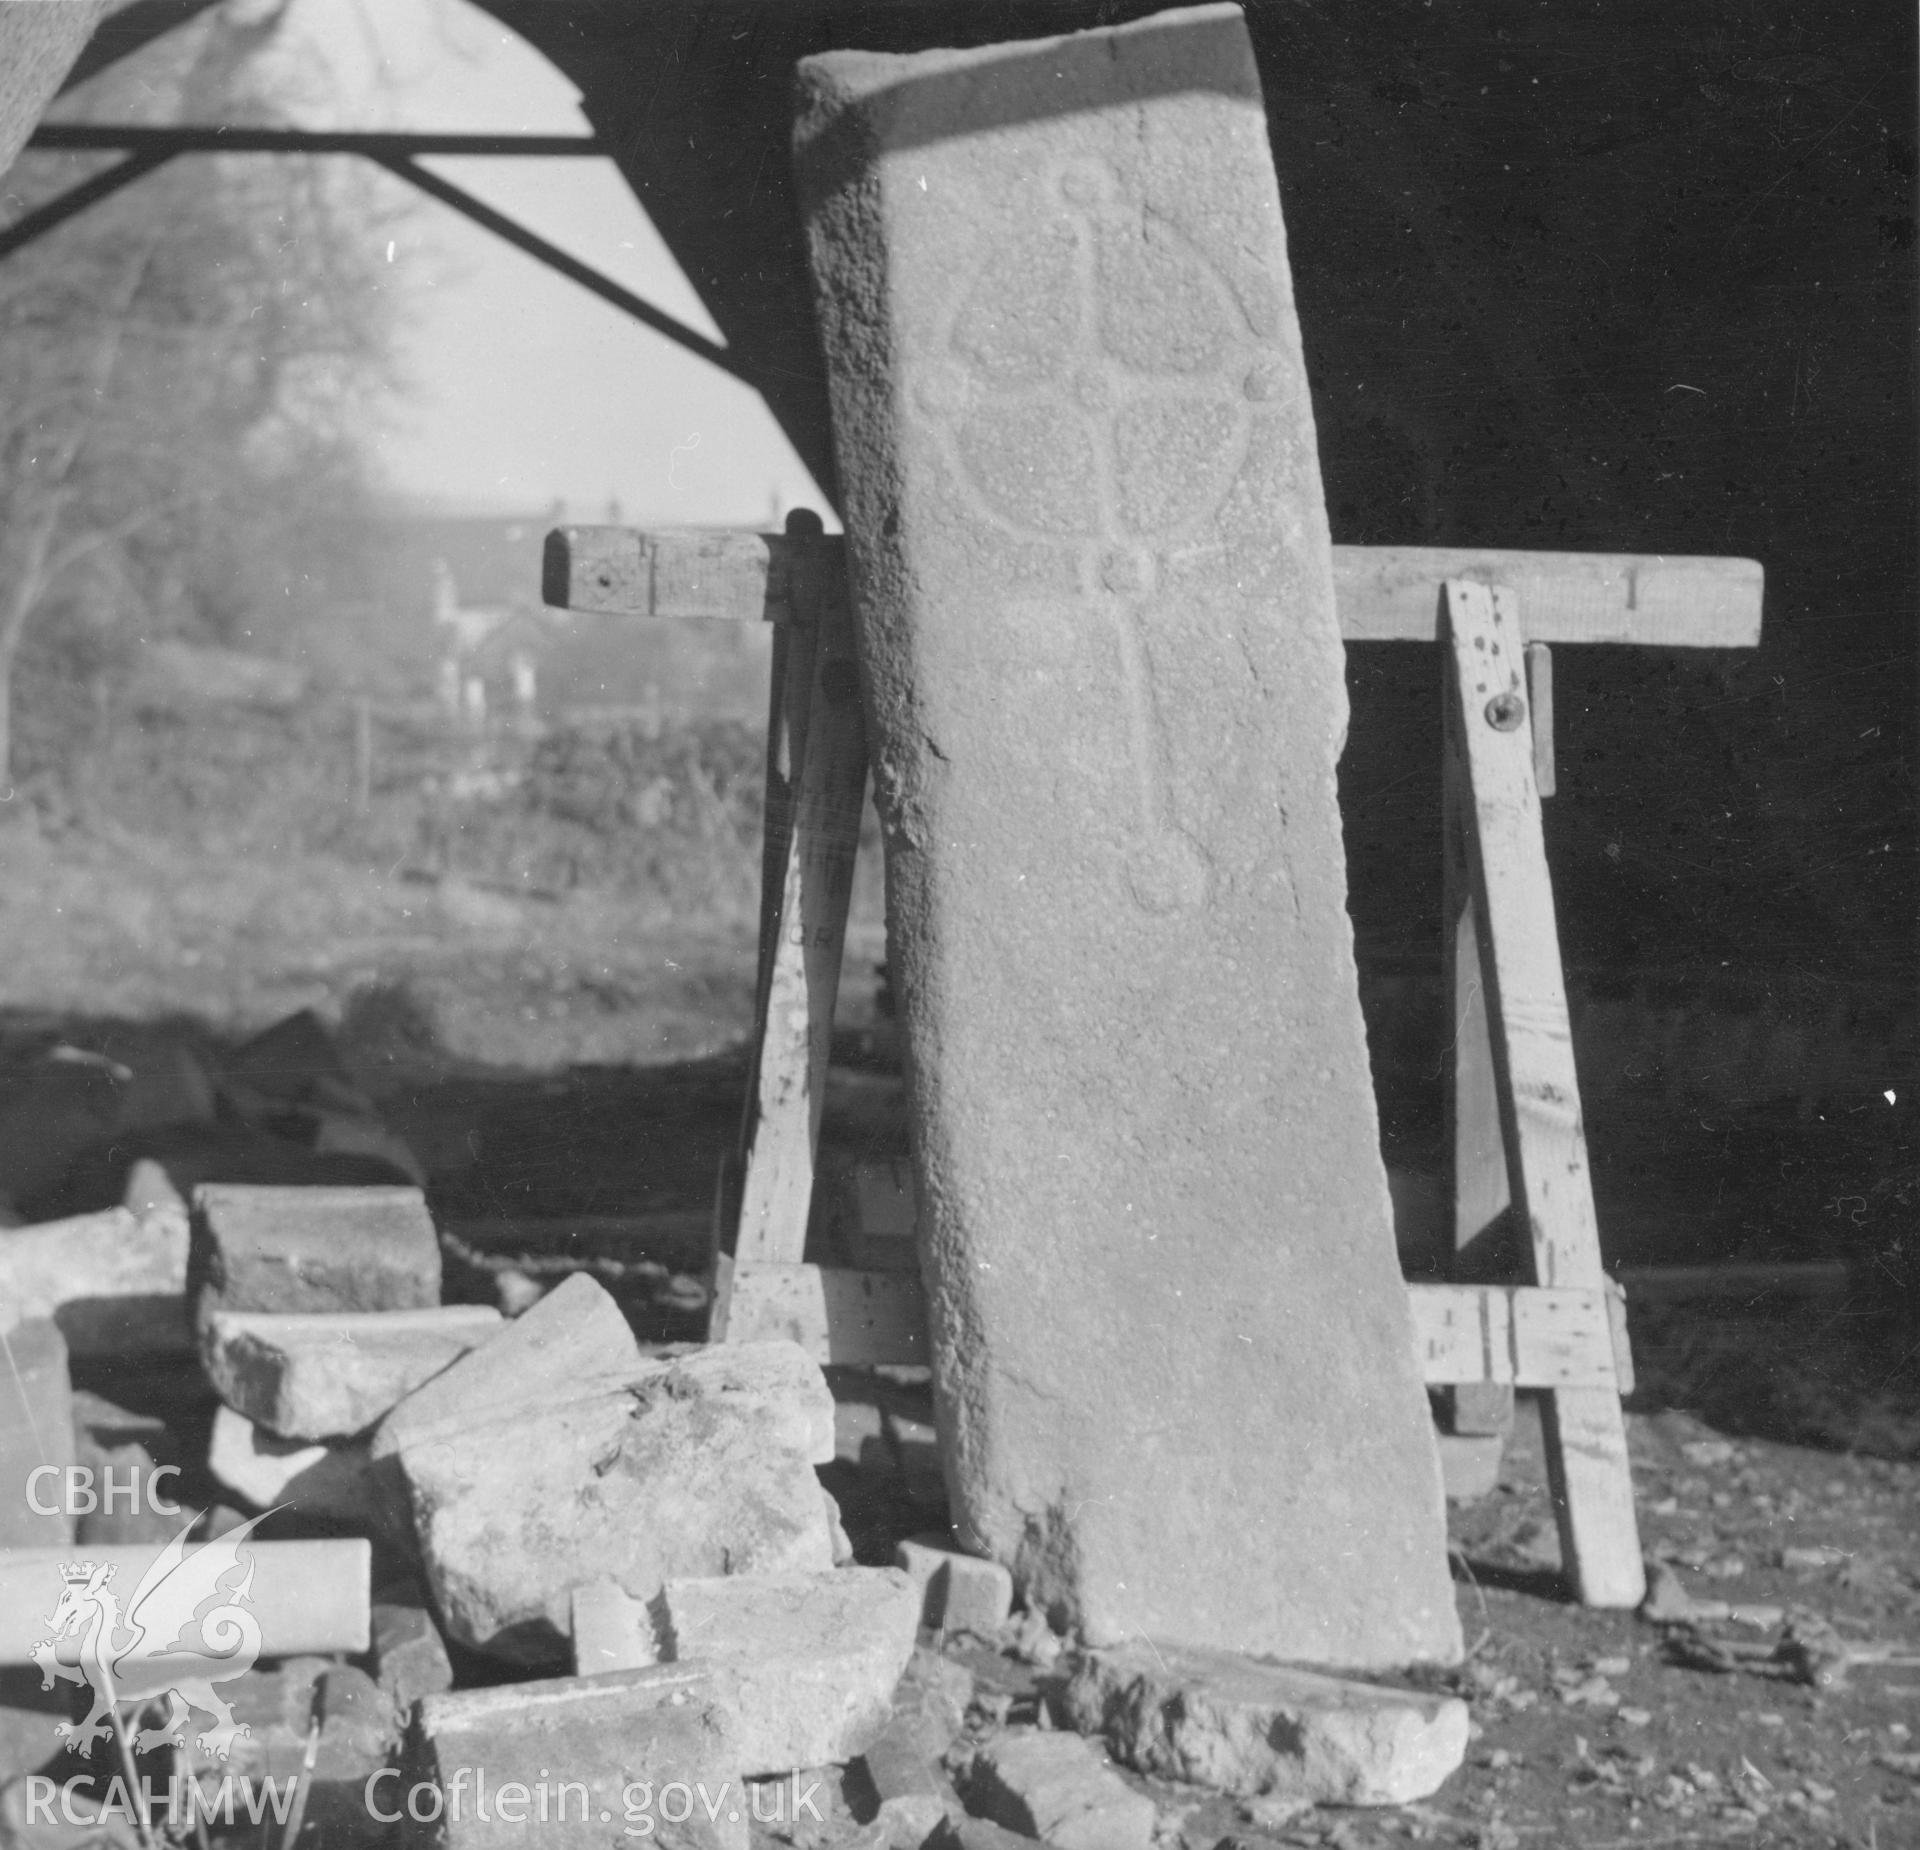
(185, 370)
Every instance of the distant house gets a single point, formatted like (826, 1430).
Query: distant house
(468, 594)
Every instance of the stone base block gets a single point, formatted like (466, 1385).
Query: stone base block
(1253, 1729)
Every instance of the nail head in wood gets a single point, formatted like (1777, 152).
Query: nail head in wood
(1505, 712)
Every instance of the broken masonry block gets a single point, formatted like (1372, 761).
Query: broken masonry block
(696, 1464)
(963, 1593)
(577, 1763)
(567, 1342)
(115, 1282)
(408, 1654)
(1252, 1729)
(330, 1374)
(1059, 1788)
(310, 1249)
(807, 1663)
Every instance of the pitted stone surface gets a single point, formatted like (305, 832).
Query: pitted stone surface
(1174, 1360)
(559, 1472)
(581, 1763)
(806, 1664)
(310, 1249)
(1216, 1719)
(327, 1375)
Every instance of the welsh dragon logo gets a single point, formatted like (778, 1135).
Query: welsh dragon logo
(185, 1629)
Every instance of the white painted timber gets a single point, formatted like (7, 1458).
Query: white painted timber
(1382, 593)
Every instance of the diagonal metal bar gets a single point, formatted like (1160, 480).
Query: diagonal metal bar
(216, 138)
(122, 33)
(75, 199)
(571, 267)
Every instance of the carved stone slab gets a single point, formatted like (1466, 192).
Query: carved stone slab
(1176, 1374)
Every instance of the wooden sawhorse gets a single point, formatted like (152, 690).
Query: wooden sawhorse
(1519, 1152)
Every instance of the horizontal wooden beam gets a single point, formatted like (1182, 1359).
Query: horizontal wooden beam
(622, 572)
(1521, 1336)
(1512, 1335)
(1651, 600)
(1384, 593)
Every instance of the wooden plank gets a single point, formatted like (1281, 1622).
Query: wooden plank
(826, 785)
(1623, 1378)
(1518, 1336)
(308, 1597)
(1482, 1224)
(1387, 594)
(1383, 593)
(623, 572)
(1540, 695)
(858, 1319)
(1588, 1472)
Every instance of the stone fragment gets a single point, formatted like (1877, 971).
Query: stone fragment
(339, 1134)
(698, 1464)
(983, 1834)
(149, 1189)
(580, 1762)
(409, 1655)
(516, 1292)
(230, 1153)
(329, 1374)
(857, 1424)
(1094, 580)
(331, 1481)
(294, 1063)
(310, 1249)
(1469, 1464)
(962, 1593)
(836, 1530)
(123, 1450)
(1253, 1729)
(912, 1795)
(930, 1702)
(274, 1711)
(566, 1343)
(115, 1282)
(807, 1663)
(169, 1084)
(612, 1630)
(1059, 1788)
(36, 1436)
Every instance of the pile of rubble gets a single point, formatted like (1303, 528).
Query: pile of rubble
(141, 1114)
(548, 1577)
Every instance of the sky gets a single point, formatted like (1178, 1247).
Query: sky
(526, 389)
